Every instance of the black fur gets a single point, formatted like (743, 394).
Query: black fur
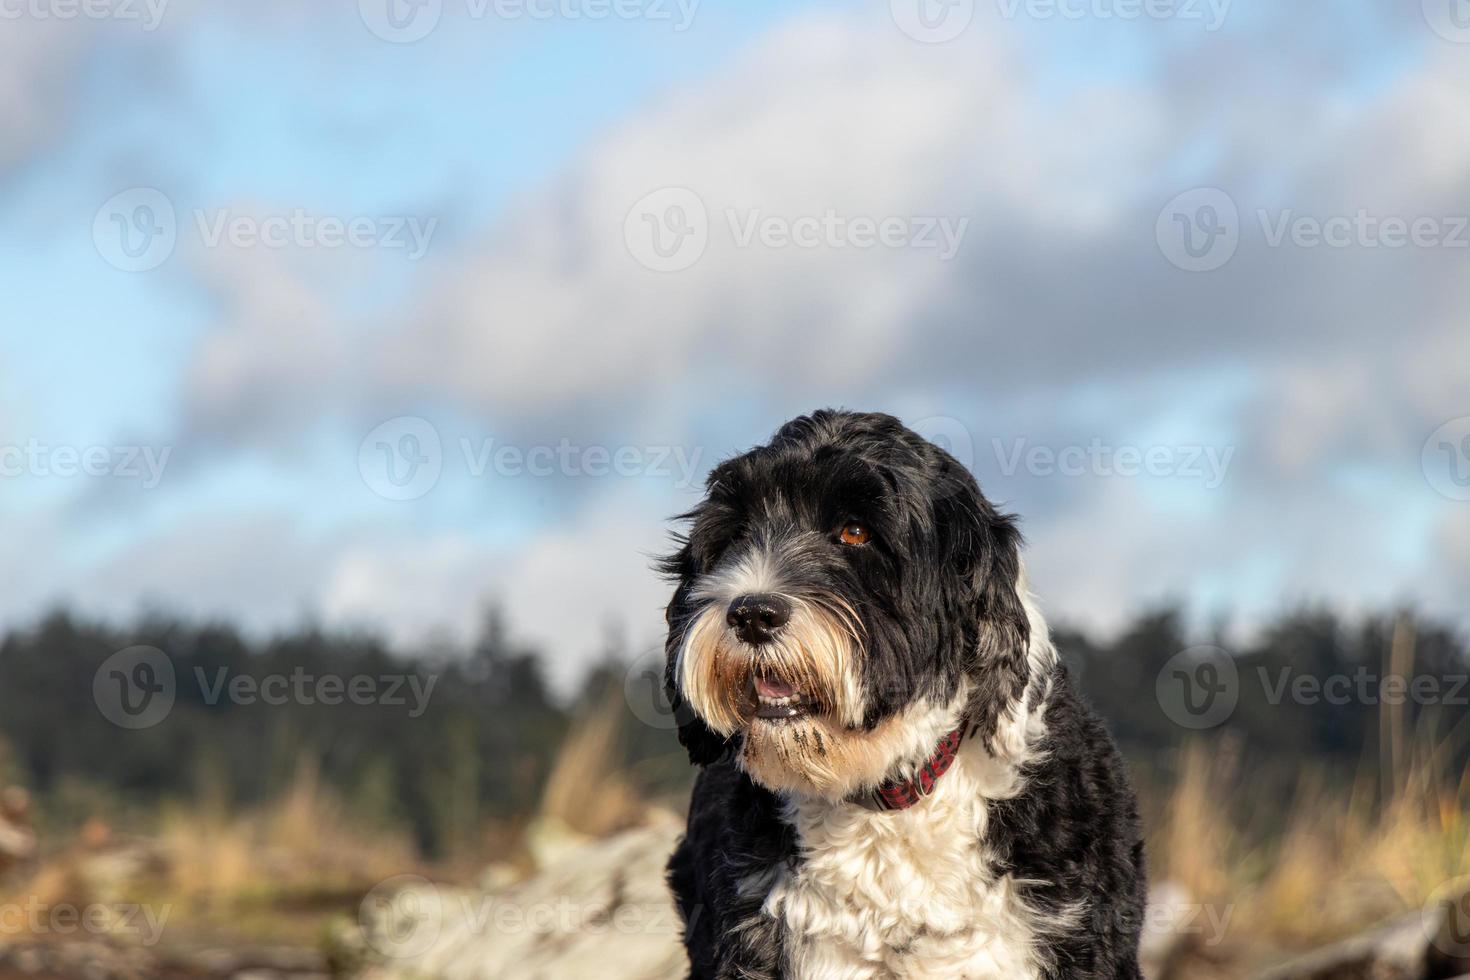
(936, 594)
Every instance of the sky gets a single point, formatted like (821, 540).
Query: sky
(377, 313)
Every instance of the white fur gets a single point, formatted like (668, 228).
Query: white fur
(755, 571)
(910, 894)
(828, 638)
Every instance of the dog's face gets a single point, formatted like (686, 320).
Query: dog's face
(845, 595)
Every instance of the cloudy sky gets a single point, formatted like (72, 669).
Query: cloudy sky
(375, 312)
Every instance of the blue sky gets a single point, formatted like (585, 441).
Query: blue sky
(1065, 326)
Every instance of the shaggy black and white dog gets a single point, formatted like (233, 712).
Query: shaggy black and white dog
(898, 779)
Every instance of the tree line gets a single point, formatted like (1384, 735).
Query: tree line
(442, 738)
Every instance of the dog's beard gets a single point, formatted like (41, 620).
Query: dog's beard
(815, 653)
(823, 750)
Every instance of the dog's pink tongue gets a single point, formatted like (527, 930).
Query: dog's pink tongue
(768, 688)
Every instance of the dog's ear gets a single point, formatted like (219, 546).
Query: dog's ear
(1005, 630)
(983, 548)
(703, 745)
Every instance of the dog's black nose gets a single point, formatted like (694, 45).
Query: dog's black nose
(756, 618)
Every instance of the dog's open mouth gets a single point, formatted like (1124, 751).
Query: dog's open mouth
(777, 700)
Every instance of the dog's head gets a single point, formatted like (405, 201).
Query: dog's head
(845, 596)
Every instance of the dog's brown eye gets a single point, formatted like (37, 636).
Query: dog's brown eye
(854, 532)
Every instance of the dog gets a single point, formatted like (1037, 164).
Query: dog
(896, 775)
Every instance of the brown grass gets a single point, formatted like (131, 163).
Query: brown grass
(306, 841)
(589, 791)
(1334, 860)
(1344, 862)
(1347, 858)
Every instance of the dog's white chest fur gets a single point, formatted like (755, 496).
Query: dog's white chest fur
(907, 894)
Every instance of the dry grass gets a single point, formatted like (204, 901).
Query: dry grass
(306, 841)
(1347, 858)
(589, 791)
(276, 872)
(1333, 861)
(271, 874)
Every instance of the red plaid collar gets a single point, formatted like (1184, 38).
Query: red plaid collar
(901, 794)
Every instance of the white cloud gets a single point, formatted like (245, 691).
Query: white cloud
(1058, 287)
(38, 66)
(280, 359)
(823, 116)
